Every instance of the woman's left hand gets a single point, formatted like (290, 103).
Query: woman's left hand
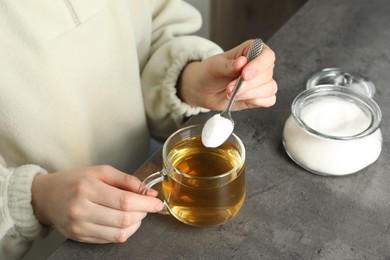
(211, 82)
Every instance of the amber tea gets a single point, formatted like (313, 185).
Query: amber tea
(201, 186)
(204, 192)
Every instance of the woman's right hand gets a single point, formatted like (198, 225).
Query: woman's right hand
(96, 205)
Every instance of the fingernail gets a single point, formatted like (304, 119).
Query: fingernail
(160, 207)
(152, 192)
(231, 88)
(249, 74)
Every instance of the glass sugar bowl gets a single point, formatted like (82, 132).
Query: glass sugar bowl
(333, 130)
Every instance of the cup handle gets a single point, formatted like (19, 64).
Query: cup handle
(149, 182)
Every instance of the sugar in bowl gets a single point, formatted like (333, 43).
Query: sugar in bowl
(333, 130)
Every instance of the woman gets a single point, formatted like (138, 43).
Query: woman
(83, 86)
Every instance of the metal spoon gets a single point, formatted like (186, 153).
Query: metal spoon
(211, 137)
(254, 51)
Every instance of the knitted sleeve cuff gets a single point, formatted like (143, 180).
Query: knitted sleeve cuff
(169, 92)
(165, 109)
(18, 209)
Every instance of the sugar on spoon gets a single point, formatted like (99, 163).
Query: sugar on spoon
(219, 127)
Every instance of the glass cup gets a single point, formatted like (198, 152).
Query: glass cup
(201, 186)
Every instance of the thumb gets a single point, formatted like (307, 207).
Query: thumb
(226, 67)
(234, 67)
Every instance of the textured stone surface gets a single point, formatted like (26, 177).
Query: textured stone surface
(290, 213)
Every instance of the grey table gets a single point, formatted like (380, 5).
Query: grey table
(290, 213)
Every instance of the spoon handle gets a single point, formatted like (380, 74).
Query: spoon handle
(254, 51)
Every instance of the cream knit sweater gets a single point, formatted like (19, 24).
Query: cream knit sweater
(81, 83)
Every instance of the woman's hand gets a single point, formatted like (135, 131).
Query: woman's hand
(96, 205)
(211, 82)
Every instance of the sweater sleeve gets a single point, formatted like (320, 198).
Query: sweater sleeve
(172, 48)
(18, 225)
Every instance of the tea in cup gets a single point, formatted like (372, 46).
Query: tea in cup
(201, 186)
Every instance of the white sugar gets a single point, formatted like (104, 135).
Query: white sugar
(335, 117)
(332, 156)
(216, 131)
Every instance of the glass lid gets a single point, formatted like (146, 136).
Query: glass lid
(340, 78)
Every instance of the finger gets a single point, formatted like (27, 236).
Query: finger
(253, 103)
(119, 199)
(114, 235)
(117, 218)
(116, 178)
(260, 79)
(121, 180)
(223, 67)
(101, 215)
(240, 50)
(264, 90)
(92, 233)
(152, 192)
(264, 61)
